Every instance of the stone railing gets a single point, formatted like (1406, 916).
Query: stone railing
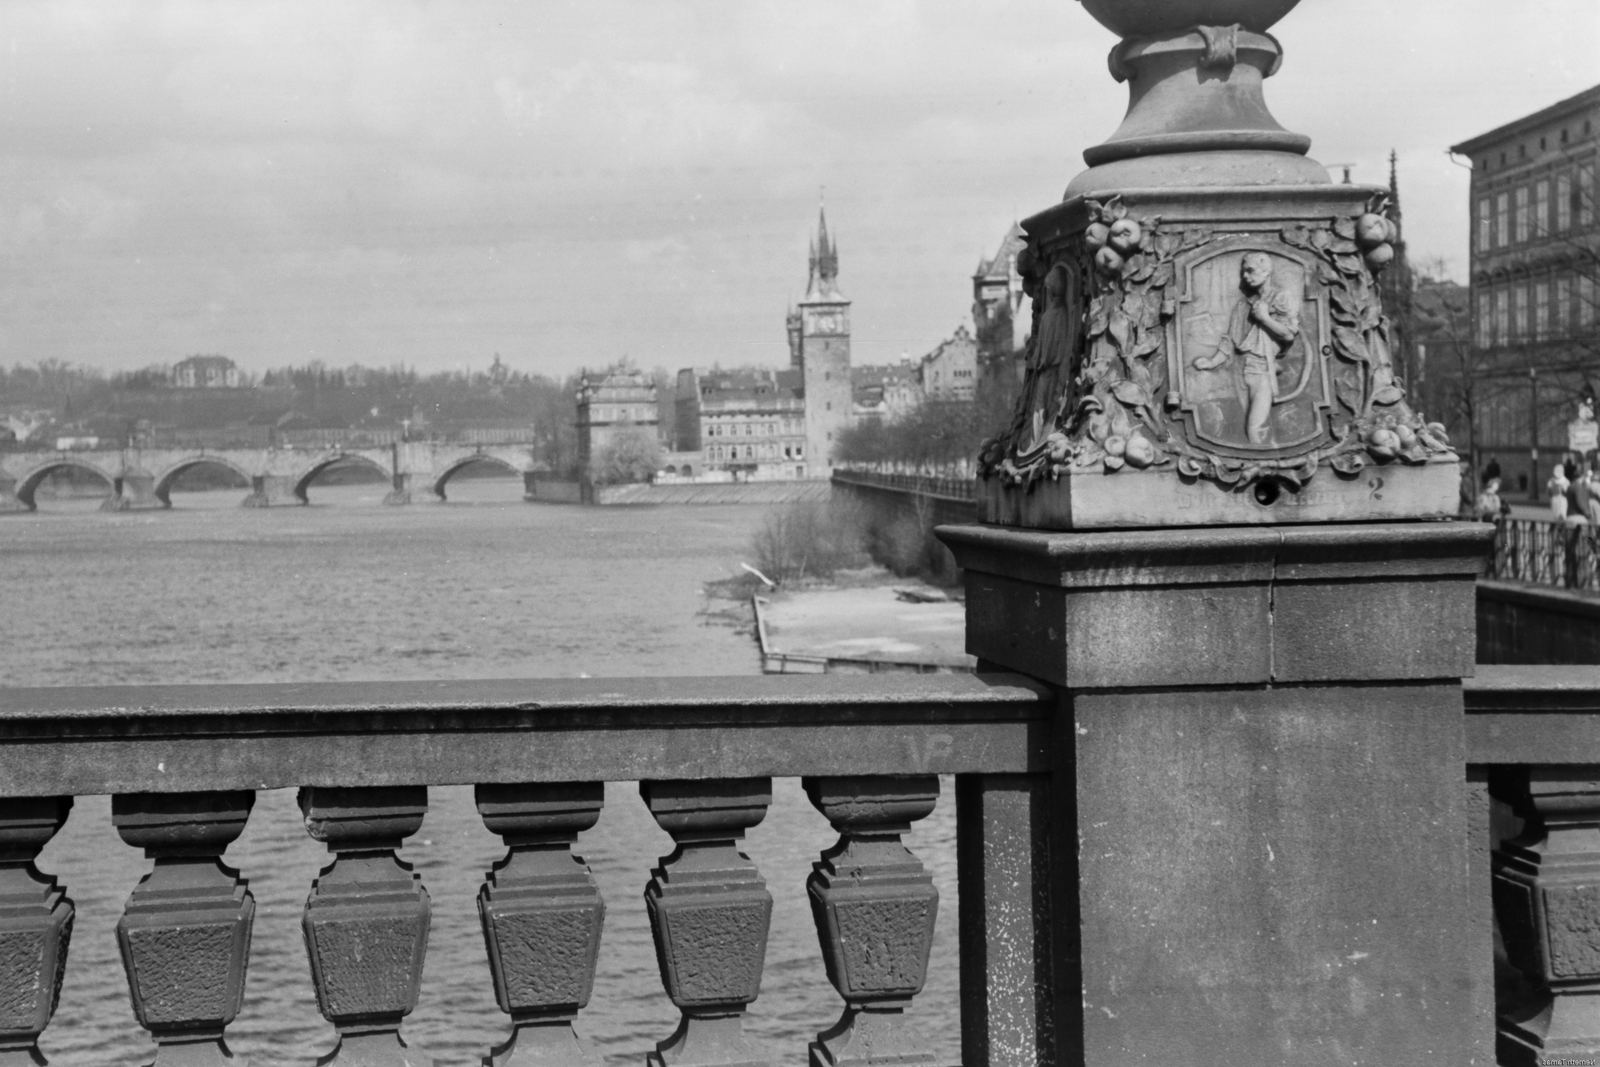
(183, 763)
(1545, 552)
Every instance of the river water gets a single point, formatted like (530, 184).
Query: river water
(346, 589)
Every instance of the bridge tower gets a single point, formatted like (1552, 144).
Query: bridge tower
(824, 354)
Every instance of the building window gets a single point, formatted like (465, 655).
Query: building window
(1541, 311)
(1585, 194)
(1522, 214)
(1563, 202)
(1563, 305)
(1541, 209)
(1502, 220)
(1485, 321)
(1519, 325)
(1586, 301)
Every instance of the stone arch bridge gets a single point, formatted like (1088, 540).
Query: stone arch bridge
(143, 477)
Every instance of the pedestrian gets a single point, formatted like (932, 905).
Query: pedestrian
(1559, 487)
(1581, 499)
(1591, 480)
(1489, 506)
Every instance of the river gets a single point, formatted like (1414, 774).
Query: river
(485, 586)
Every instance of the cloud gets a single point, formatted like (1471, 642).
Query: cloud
(563, 182)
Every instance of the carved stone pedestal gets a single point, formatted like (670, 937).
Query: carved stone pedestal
(366, 921)
(709, 913)
(185, 934)
(1546, 897)
(874, 906)
(542, 915)
(1257, 773)
(35, 927)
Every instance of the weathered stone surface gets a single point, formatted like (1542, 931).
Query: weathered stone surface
(185, 933)
(875, 907)
(1547, 899)
(1268, 875)
(35, 926)
(1005, 928)
(366, 920)
(126, 739)
(709, 914)
(542, 915)
(1229, 607)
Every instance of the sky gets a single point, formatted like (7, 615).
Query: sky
(565, 184)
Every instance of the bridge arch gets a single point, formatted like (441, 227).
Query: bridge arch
(461, 464)
(302, 483)
(164, 481)
(29, 483)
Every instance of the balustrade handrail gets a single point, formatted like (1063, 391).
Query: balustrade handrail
(176, 738)
(952, 487)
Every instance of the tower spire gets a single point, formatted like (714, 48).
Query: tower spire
(824, 272)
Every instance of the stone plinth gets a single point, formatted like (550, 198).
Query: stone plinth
(1261, 784)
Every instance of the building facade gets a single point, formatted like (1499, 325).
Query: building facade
(950, 371)
(748, 422)
(1002, 314)
(887, 393)
(611, 403)
(1535, 250)
(822, 345)
(205, 372)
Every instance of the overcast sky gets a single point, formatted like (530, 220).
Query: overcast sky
(567, 183)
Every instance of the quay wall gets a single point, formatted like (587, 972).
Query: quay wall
(553, 491)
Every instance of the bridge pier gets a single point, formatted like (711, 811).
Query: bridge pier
(414, 488)
(134, 492)
(8, 495)
(272, 490)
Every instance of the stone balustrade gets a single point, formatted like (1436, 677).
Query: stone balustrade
(183, 764)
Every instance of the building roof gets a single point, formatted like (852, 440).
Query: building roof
(1587, 98)
(961, 338)
(999, 266)
(748, 383)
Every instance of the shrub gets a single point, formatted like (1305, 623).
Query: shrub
(630, 456)
(812, 538)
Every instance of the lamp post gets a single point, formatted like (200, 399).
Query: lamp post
(1218, 528)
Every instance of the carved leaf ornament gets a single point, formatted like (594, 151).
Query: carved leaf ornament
(1117, 410)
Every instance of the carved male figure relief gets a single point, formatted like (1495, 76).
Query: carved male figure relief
(1264, 324)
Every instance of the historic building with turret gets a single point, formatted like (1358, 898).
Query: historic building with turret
(819, 347)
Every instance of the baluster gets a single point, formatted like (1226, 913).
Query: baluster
(542, 915)
(366, 920)
(185, 932)
(1546, 898)
(709, 913)
(35, 927)
(874, 905)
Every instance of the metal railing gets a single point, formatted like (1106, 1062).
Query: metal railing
(1545, 552)
(949, 483)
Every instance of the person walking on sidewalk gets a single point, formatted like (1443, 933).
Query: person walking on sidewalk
(1559, 487)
